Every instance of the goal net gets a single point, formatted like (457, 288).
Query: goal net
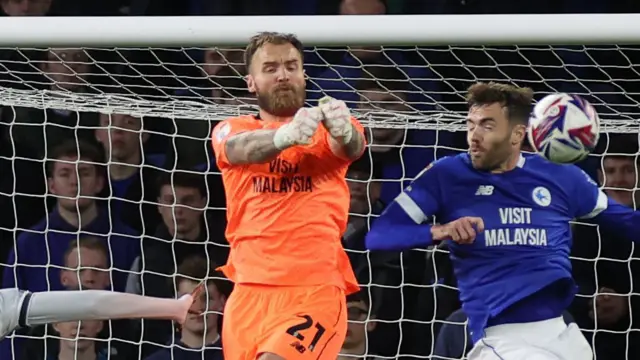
(149, 112)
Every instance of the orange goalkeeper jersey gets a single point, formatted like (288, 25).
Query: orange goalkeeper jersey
(286, 217)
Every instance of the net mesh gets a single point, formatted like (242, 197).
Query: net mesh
(411, 99)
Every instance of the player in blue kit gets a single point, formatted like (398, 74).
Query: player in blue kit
(505, 216)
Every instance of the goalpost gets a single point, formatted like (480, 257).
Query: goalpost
(184, 73)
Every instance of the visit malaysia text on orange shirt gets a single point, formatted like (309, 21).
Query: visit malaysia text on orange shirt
(285, 218)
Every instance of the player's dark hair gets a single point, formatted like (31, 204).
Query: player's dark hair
(182, 179)
(83, 150)
(197, 268)
(87, 242)
(383, 77)
(518, 101)
(274, 38)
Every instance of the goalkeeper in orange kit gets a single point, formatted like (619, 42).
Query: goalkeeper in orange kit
(20, 309)
(287, 207)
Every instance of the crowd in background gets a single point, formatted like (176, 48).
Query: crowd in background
(151, 203)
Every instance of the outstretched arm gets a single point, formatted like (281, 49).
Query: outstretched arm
(620, 219)
(58, 306)
(400, 227)
(402, 224)
(257, 146)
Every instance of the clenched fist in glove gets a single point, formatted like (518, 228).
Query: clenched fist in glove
(337, 119)
(300, 130)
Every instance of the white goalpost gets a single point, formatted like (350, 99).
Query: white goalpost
(73, 76)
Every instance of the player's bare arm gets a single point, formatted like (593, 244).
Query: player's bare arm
(252, 147)
(345, 139)
(263, 145)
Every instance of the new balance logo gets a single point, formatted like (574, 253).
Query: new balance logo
(485, 190)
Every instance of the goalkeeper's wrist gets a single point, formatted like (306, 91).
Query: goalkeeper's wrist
(282, 138)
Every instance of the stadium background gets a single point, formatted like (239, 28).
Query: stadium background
(132, 237)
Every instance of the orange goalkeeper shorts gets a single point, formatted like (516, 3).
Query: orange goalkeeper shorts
(305, 322)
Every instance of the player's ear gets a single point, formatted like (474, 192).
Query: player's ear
(251, 84)
(518, 134)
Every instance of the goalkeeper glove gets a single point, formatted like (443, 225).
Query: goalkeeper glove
(337, 119)
(300, 130)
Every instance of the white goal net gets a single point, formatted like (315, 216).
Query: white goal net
(140, 119)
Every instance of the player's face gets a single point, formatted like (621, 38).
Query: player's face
(86, 269)
(83, 330)
(75, 183)
(210, 302)
(277, 78)
(120, 136)
(489, 135)
(181, 208)
(619, 178)
(358, 325)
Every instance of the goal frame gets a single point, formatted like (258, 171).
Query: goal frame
(408, 30)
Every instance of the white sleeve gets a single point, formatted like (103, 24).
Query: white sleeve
(58, 306)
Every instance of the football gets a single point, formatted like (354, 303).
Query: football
(564, 128)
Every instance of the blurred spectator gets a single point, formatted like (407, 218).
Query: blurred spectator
(606, 267)
(86, 268)
(361, 322)
(183, 233)
(36, 131)
(86, 265)
(401, 153)
(74, 178)
(364, 184)
(67, 69)
(338, 80)
(77, 340)
(26, 7)
(199, 337)
(131, 174)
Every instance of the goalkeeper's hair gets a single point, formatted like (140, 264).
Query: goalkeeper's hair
(83, 150)
(197, 268)
(258, 41)
(518, 101)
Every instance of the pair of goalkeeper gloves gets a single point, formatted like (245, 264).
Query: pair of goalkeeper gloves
(333, 114)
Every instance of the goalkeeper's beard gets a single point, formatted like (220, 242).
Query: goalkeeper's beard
(283, 101)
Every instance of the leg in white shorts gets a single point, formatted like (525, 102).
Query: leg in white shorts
(542, 340)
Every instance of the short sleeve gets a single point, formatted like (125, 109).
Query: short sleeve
(420, 200)
(221, 133)
(587, 200)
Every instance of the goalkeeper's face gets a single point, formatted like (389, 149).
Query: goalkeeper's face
(489, 135)
(277, 78)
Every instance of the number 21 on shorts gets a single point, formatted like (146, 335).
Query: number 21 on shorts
(308, 334)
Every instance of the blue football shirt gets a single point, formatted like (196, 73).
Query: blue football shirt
(518, 269)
